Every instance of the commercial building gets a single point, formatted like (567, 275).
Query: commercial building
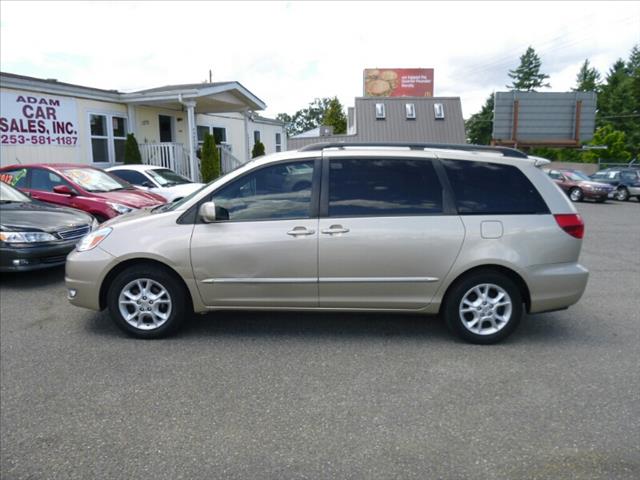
(47, 121)
(395, 119)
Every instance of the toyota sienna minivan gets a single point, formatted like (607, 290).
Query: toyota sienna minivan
(476, 234)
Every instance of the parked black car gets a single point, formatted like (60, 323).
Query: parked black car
(625, 180)
(37, 235)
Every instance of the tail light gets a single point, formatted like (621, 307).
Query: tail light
(571, 223)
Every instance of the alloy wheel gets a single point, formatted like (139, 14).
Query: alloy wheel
(145, 304)
(485, 309)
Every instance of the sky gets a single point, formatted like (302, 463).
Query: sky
(288, 53)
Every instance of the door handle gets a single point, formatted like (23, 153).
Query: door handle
(333, 229)
(300, 231)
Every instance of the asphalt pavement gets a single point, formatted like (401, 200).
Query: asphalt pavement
(322, 396)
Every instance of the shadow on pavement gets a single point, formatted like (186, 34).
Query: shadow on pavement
(32, 279)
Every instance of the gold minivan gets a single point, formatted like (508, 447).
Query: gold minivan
(476, 234)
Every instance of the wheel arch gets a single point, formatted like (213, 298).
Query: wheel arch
(492, 268)
(116, 269)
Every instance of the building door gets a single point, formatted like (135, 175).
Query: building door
(166, 128)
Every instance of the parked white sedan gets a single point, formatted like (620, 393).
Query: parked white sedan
(160, 180)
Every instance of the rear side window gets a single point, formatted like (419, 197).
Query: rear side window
(489, 188)
(383, 187)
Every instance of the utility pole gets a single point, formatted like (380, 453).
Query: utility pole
(210, 76)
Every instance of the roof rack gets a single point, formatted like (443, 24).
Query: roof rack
(505, 151)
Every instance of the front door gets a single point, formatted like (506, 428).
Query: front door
(386, 241)
(42, 183)
(166, 128)
(266, 254)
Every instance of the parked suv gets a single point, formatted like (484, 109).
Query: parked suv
(477, 234)
(625, 181)
(579, 186)
(79, 186)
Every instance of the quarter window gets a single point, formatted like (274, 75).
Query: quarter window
(383, 187)
(277, 192)
(483, 188)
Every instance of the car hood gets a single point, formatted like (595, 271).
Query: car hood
(41, 216)
(132, 198)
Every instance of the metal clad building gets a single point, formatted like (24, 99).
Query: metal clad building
(544, 118)
(400, 119)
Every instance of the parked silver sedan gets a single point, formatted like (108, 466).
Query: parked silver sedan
(477, 235)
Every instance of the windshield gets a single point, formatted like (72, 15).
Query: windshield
(94, 180)
(10, 194)
(166, 177)
(577, 176)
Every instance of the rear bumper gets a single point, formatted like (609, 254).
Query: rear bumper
(34, 257)
(555, 286)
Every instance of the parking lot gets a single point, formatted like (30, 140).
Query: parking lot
(275, 395)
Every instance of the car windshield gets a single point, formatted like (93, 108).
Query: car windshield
(577, 176)
(94, 180)
(9, 194)
(166, 177)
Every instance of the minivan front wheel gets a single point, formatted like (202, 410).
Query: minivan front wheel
(484, 307)
(146, 301)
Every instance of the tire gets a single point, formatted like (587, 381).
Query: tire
(149, 321)
(487, 329)
(622, 194)
(576, 195)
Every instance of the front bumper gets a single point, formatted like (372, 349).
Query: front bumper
(35, 257)
(598, 194)
(84, 274)
(555, 286)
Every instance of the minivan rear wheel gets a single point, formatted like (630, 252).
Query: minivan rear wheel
(483, 307)
(147, 301)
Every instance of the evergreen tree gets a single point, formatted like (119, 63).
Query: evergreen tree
(587, 79)
(258, 149)
(335, 117)
(480, 125)
(210, 160)
(527, 77)
(131, 150)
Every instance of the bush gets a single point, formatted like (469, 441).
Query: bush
(258, 149)
(210, 161)
(131, 150)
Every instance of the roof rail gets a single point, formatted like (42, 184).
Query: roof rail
(506, 151)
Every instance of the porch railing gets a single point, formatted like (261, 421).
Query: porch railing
(176, 157)
(167, 154)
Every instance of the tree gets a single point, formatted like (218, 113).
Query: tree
(258, 149)
(335, 117)
(131, 150)
(306, 119)
(615, 143)
(587, 79)
(480, 125)
(210, 160)
(527, 76)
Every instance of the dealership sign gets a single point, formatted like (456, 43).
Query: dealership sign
(29, 119)
(398, 82)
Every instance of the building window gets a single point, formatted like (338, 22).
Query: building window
(410, 109)
(438, 110)
(202, 131)
(380, 112)
(256, 136)
(108, 136)
(278, 142)
(220, 134)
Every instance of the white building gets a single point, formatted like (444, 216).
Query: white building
(46, 121)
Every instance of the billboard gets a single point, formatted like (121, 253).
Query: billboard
(398, 82)
(36, 119)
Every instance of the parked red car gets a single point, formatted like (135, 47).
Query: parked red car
(79, 186)
(579, 186)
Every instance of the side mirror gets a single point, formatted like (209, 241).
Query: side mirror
(209, 213)
(63, 190)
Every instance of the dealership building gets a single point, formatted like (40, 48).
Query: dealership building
(47, 121)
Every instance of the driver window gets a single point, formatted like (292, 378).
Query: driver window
(276, 192)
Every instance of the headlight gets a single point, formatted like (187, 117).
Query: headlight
(26, 237)
(93, 239)
(118, 207)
